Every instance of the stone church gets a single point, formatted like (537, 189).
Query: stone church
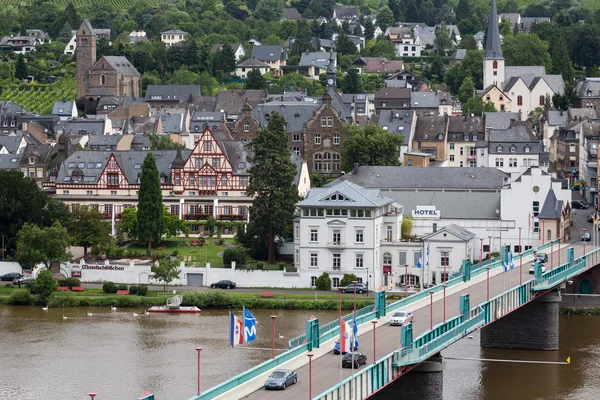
(109, 76)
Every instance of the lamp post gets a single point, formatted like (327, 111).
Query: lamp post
(340, 303)
(584, 238)
(445, 262)
(431, 292)
(480, 252)
(520, 260)
(92, 395)
(558, 253)
(444, 285)
(374, 322)
(273, 317)
(198, 349)
(488, 282)
(489, 249)
(405, 280)
(354, 282)
(551, 253)
(310, 356)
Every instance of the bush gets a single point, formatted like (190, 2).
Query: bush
(109, 288)
(44, 285)
(70, 282)
(324, 282)
(20, 297)
(260, 265)
(348, 279)
(235, 254)
(122, 287)
(133, 289)
(281, 266)
(63, 299)
(142, 290)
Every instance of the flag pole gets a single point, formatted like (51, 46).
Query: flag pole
(229, 366)
(243, 336)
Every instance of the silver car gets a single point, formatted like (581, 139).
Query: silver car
(401, 318)
(281, 378)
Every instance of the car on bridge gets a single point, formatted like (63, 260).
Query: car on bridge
(354, 358)
(532, 269)
(336, 347)
(281, 378)
(540, 257)
(401, 318)
(11, 276)
(223, 285)
(360, 288)
(580, 204)
(586, 237)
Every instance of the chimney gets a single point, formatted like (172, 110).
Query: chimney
(355, 170)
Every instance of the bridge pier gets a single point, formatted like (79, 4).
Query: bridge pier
(424, 382)
(533, 326)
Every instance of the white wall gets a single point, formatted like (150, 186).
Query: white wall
(7, 267)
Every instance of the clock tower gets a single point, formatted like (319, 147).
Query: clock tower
(331, 71)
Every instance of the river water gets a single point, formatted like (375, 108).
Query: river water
(119, 355)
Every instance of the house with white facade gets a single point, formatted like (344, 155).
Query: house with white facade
(173, 36)
(405, 41)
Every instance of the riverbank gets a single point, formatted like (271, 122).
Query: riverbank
(580, 311)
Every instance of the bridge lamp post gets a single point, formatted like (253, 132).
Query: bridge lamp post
(92, 395)
(480, 252)
(558, 253)
(584, 238)
(310, 356)
(489, 249)
(273, 317)
(444, 285)
(431, 292)
(446, 263)
(520, 259)
(354, 282)
(488, 282)
(374, 322)
(198, 349)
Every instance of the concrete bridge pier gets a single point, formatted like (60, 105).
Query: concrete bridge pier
(533, 326)
(424, 382)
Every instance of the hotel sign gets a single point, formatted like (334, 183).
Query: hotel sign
(426, 212)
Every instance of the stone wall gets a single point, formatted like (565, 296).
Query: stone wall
(425, 382)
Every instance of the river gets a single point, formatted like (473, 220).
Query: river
(119, 355)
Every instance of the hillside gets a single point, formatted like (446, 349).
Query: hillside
(40, 98)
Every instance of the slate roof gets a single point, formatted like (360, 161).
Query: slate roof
(63, 107)
(396, 83)
(11, 161)
(461, 126)
(493, 45)
(298, 162)
(269, 53)
(583, 113)
(84, 126)
(296, 114)
(172, 92)
(425, 35)
(517, 135)
(459, 54)
(421, 178)
(355, 196)
(291, 13)
(11, 143)
(219, 46)
(346, 12)
(232, 101)
(320, 59)
(424, 100)
(101, 141)
(121, 65)
(453, 229)
(397, 121)
(590, 87)
(171, 122)
(380, 65)
(513, 18)
(253, 63)
(174, 31)
(205, 103)
(8, 108)
(479, 35)
(529, 74)
(557, 118)
(500, 120)
(552, 208)
(430, 127)
(528, 22)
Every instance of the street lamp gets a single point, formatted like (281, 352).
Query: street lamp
(405, 280)
(198, 349)
(444, 285)
(489, 249)
(354, 282)
(488, 282)
(92, 395)
(431, 292)
(584, 239)
(310, 356)
(445, 262)
(273, 336)
(374, 322)
(558, 254)
(480, 252)
(520, 259)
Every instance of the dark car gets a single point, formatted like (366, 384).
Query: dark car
(281, 378)
(360, 288)
(223, 285)
(11, 276)
(590, 218)
(355, 358)
(336, 346)
(541, 257)
(586, 237)
(580, 204)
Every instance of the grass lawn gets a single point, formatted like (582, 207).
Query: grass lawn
(192, 254)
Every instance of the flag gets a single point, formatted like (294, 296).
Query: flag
(420, 262)
(249, 326)
(355, 333)
(236, 329)
(512, 262)
(427, 264)
(344, 337)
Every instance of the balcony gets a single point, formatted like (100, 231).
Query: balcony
(196, 217)
(231, 217)
(336, 245)
(472, 157)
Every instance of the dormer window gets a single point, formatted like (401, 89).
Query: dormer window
(499, 148)
(527, 148)
(513, 149)
(246, 127)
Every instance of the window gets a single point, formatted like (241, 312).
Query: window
(335, 282)
(549, 234)
(337, 261)
(246, 127)
(512, 162)
(499, 148)
(502, 107)
(536, 208)
(499, 162)
(337, 236)
(296, 137)
(336, 139)
(65, 192)
(572, 148)
(495, 64)
(207, 147)
(296, 150)
(359, 261)
(486, 248)
(519, 100)
(488, 98)
(387, 259)
(444, 276)
(314, 235)
(359, 236)
(329, 122)
(313, 281)
(401, 257)
(113, 179)
(224, 194)
(513, 148)
(216, 163)
(501, 98)
(409, 162)
(542, 100)
(90, 193)
(317, 138)
(451, 157)
(102, 80)
(536, 227)
(517, 249)
(314, 260)
(527, 148)
(444, 258)
(177, 180)
(323, 122)
(462, 164)
(451, 146)
(462, 152)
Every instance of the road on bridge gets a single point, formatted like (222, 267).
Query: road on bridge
(326, 369)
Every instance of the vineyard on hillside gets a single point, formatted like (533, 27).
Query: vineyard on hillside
(116, 4)
(40, 98)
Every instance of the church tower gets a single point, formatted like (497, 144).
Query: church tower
(493, 61)
(85, 53)
(331, 72)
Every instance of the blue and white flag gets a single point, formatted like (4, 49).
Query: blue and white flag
(355, 333)
(420, 262)
(512, 262)
(249, 326)
(427, 264)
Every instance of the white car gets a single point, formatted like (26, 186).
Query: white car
(532, 269)
(401, 318)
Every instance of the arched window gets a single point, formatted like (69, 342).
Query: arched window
(102, 80)
(387, 259)
(519, 100)
(495, 64)
(513, 148)
(499, 148)
(527, 148)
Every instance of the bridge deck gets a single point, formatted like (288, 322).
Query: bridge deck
(326, 365)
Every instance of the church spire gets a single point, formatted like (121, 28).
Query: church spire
(493, 45)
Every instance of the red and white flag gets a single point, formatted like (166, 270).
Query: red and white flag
(345, 337)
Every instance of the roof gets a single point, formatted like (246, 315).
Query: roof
(353, 195)
(296, 114)
(461, 233)
(583, 113)
(205, 103)
(518, 135)
(298, 162)
(421, 178)
(459, 54)
(291, 13)
(85, 126)
(424, 100)
(172, 92)
(383, 65)
(11, 143)
(528, 22)
(171, 122)
(529, 75)
(269, 53)
(345, 12)
(557, 118)
(104, 140)
(552, 208)
(479, 35)
(493, 45)
(253, 63)
(63, 107)
(513, 18)
(397, 121)
(425, 34)
(430, 127)
(10, 161)
(218, 46)
(319, 59)
(232, 101)
(120, 65)
(402, 32)
(590, 87)
(392, 93)
(175, 31)
(500, 120)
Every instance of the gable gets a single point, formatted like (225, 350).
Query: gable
(205, 151)
(337, 196)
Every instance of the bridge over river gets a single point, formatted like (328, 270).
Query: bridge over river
(512, 308)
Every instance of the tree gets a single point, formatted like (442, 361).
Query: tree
(21, 68)
(348, 279)
(224, 60)
(442, 40)
(406, 227)
(323, 282)
(369, 29)
(371, 145)
(471, 65)
(344, 45)
(65, 34)
(272, 182)
(303, 40)
(255, 80)
(526, 49)
(71, 15)
(129, 223)
(88, 228)
(173, 226)
(150, 208)
(467, 90)
(561, 63)
(47, 245)
(162, 142)
(476, 107)
(535, 117)
(385, 18)
(463, 10)
(165, 270)
(468, 42)
(505, 28)
(352, 82)
(269, 10)
(44, 285)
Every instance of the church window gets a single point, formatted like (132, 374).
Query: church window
(542, 100)
(323, 121)
(519, 100)
(102, 80)
(495, 64)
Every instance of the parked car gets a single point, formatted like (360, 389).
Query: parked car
(355, 358)
(590, 218)
(360, 288)
(586, 237)
(580, 204)
(223, 285)
(281, 378)
(532, 269)
(336, 347)
(541, 257)
(11, 276)
(401, 318)
(23, 280)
